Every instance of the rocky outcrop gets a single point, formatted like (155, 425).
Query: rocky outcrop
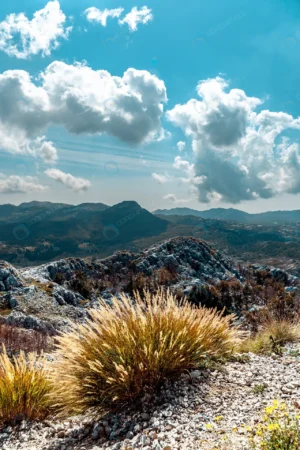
(277, 274)
(63, 296)
(64, 290)
(190, 257)
(9, 277)
(29, 322)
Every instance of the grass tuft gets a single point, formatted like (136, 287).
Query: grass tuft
(127, 348)
(271, 337)
(24, 388)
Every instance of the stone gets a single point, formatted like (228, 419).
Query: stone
(195, 374)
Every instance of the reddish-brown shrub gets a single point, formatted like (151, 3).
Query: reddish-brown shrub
(16, 339)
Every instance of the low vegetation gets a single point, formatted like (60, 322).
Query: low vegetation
(15, 339)
(260, 388)
(277, 430)
(271, 337)
(126, 350)
(24, 388)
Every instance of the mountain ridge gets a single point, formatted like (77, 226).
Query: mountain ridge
(282, 216)
(39, 232)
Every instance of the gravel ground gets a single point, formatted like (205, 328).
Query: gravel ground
(203, 410)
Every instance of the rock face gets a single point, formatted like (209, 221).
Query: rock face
(9, 277)
(192, 260)
(47, 297)
(190, 257)
(278, 274)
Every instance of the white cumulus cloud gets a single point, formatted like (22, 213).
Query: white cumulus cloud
(14, 184)
(21, 37)
(137, 16)
(48, 152)
(83, 101)
(180, 145)
(96, 15)
(173, 199)
(68, 180)
(239, 152)
(162, 179)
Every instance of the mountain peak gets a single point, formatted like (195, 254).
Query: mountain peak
(127, 204)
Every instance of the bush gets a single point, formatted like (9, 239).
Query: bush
(16, 339)
(271, 337)
(24, 388)
(127, 349)
(278, 430)
(82, 284)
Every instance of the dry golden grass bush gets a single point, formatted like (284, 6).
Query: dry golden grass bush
(128, 348)
(24, 388)
(271, 336)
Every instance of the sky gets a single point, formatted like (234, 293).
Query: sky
(193, 104)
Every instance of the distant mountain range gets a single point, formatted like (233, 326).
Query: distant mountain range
(236, 215)
(40, 231)
(120, 223)
(37, 232)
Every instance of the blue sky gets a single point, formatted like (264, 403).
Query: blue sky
(237, 151)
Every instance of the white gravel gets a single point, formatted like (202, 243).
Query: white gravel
(182, 416)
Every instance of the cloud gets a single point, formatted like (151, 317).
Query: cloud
(180, 145)
(19, 185)
(95, 15)
(183, 165)
(238, 152)
(83, 101)
(136, 16)
(68, 180)
(48, 152)
(21, 37)
(173, 199)
(132, 19)
(162, 179)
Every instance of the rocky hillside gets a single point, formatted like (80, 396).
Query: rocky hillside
(38, 232)
(47, 297)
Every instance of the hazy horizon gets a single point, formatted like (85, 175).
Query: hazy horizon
(151, 210)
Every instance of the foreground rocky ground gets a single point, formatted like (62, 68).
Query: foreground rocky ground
(205, 409)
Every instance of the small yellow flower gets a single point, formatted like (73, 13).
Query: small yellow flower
(269, 410)
(218, 419)
(273, 427)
